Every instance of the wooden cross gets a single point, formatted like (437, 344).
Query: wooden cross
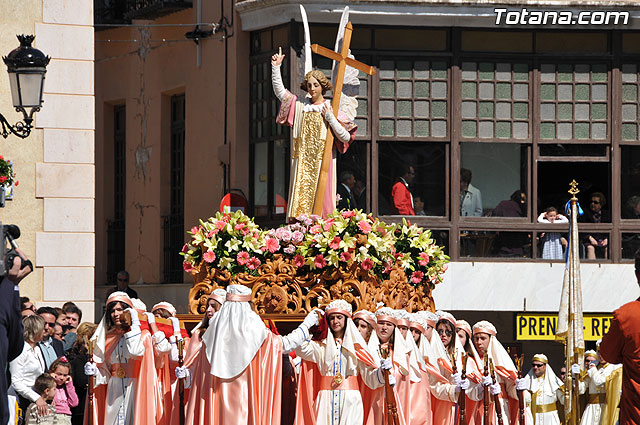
(343, 60)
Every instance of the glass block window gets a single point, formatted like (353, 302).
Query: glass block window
(413, 98)
(495, 100)
(630, 113)
(573, 101)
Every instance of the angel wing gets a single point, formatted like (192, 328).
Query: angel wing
(351, 84)
(305, 57)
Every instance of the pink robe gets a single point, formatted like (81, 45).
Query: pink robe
(251, 398)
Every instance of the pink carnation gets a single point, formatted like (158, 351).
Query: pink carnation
(315, 229)
(417, 276)
(212, 232)
(364, 226)
(272, 244)
(424, 259)
(367, 264)
(298, 260)
(185, 248)
(187, 266)
(348, 214)
(335, 243)
(319, 261)
(253, 263)
(239, 226)
(242, 257)
(220, 224)
(345, 256)
(209, 256)
(194, 230)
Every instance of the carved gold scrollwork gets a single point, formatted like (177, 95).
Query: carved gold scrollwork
(281, 288)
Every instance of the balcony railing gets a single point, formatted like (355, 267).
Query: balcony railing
(123, 11)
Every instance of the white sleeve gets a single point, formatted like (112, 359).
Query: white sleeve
(18, 382)
(160, 343)
(276, 82)
(542, 219)
(478, 202)
(295, 339)
(597, 376)
(133, 342)
(340, 132)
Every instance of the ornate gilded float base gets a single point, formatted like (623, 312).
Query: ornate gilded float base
(281, 288)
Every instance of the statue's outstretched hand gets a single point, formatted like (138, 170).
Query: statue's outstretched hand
(277, 59)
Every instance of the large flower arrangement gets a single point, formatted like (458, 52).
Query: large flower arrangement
(7, 176)
(235, 243)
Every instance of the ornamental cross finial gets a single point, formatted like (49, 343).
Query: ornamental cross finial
(574, 190)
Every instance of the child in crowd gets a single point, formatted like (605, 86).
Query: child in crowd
(45, 385)
(65, 397)
(553, 242)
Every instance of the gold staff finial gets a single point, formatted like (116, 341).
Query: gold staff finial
(574, 190)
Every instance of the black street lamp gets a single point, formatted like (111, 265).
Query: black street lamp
(26, 66)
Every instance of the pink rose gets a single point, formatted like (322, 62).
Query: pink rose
(364, 226)
(290, 249)
(253, 263)
(416, 277)
(209, 256)
(335, 243)
(272, 244)
(187, 266)
(242, 257)
(367, 264)
(424, 259)
(345, 256)
(319, 261)
(297, 236)
(298, 260)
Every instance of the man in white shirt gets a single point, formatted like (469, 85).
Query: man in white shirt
(470, 196)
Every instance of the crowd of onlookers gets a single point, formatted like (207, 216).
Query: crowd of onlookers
(47, 378)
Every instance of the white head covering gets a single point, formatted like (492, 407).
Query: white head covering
(99, 336)
(502, 361)
(138, 304)
(235, 334)
(403, 317)
(219, 295)
(339, 306)
(446, 316)
(386, 313)
(166, 305)
(429, 317)
(367, 316)
(352, 340)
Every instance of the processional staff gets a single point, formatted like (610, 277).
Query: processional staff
(485, 396)
(180, 344)
(392, 409)
(496, 397)
(519, 360)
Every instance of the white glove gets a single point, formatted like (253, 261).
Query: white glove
(495, 388)
(463, 385)
(594, 363)
(486, 381)
(182, 372)
(392, 380)
(575, 369)
(176, 325)
(90, 369)
(135, 321)
(457, 377)
(312, 318)
(150, 317)
(386, 364)
(521, 384)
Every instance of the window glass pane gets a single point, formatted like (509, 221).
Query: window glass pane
(630, 244)
(630, 179)
(353, 178)
(594, 245)
(491, 173)
(495, 244)
(630, 88)
(426, 184)
(260, 181)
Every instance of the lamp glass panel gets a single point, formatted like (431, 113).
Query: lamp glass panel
(31, 89)
(13, 83)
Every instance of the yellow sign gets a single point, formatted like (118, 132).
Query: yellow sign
(543, 326)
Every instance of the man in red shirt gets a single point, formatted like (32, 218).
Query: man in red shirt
(622, 345)
(401, 199)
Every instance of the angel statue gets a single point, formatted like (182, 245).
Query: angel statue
(311, 118)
